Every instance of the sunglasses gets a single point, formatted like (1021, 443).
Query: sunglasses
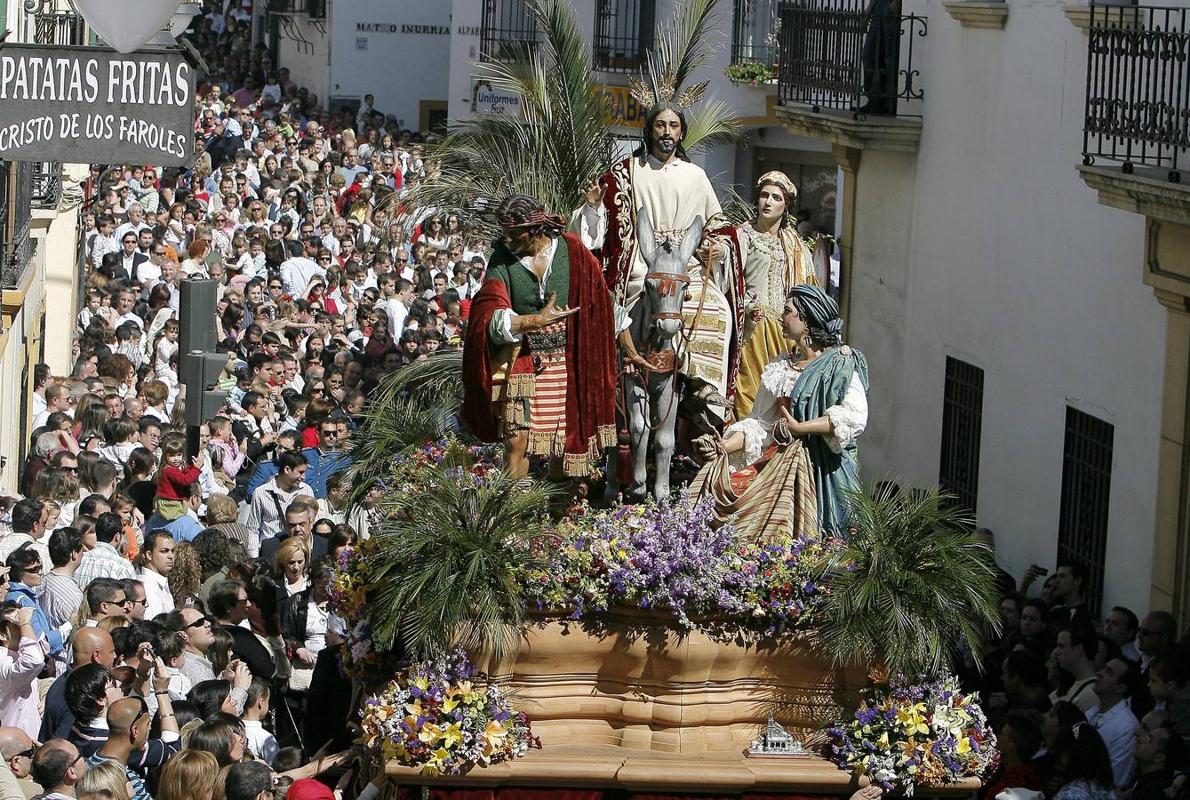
(200, 622)
(28, 753)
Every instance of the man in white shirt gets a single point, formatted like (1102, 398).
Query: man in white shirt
(124, 302)
(296, 273)
(1113, 719)
(396, 295)
(136, 221)
(266, 513)
(159, 562)
(28, 528)
(57, 398)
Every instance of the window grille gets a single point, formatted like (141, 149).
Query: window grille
(962, 422)
(1086, 492)
(623, 34)
(508, 31)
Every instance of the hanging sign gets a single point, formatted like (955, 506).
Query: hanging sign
(94, 105)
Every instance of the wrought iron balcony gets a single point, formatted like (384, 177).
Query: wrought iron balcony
(835, 57)
(1138, 92)
(754, 29)
(623, 34)
(508, 31)
(61, 27)
(314, 9)
(16, 246)
(46, 190)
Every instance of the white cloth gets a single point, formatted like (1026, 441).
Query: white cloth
(12, 542)
(849, 418)
(296, 274)
(261, 743)
(1117, 727)
(777, 380)
(18, 685)
(316, 628)
(158, 598)
(673, 194)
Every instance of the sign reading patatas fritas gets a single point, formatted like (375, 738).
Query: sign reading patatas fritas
(94, 105)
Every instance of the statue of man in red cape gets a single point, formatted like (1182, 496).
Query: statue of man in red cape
(539, 357)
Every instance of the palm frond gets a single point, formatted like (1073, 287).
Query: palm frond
(552, 150)
(710, 124)
(689, 41)
(415, 403)
(909, 585)
(449, 560)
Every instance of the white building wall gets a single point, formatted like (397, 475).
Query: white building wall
(987, 246)
(304, 46)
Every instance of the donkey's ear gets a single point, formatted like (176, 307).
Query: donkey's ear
(690, 240)
(646, 240)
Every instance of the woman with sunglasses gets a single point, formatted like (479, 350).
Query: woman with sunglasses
(24, 587)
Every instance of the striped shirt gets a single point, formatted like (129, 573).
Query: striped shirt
(102, 562)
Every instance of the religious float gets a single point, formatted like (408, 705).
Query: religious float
(520, 636)
(645, 649)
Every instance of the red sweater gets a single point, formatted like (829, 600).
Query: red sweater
(174, 483)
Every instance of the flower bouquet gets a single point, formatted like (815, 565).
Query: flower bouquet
(905, 735)
(670, 557)
(442, 718)
(359, 658)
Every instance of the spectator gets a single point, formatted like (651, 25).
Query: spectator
(1112, 718)
(1120, 627)
(157, 561)
(324, 459)
(104, 559)
(58, 767)
(1018, 741)
(1158, 750)
(28, 529)
(24, 587)
(298, 524)
(1070, 606)
(229, 605)
(61, 597)
(18, 750)
(22, 657)
(128, 743)
(1074, 654)
(266, 513)
(87, 646)
(189, 775)
(261, 743)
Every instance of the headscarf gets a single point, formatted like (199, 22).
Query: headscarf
(782, 182)
(819, 309)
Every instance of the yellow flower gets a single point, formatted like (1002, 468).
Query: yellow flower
(452, 735)
(421, 682)
(449, 704)
(964, 744)
(912, 720)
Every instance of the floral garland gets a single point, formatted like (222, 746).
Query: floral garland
(906, 735)
(671, 557)
(443, 718)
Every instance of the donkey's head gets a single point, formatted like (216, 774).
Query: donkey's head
(667, 278)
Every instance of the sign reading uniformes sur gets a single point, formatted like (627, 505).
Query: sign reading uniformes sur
(92, 104)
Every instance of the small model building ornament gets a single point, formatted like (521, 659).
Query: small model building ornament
(775, 741)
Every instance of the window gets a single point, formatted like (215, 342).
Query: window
(508, 31)
(623, 34)
(962, 421)
(1086, 490)
(754, 30)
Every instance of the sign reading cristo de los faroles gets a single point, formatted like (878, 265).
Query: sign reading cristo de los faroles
(91, 104)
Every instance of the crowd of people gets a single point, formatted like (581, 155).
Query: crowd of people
(166, 632)
(1085, 709)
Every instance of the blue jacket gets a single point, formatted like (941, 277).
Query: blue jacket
(321, 466)
(264, 472)
(23, 596)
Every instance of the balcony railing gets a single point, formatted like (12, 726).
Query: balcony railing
(46, 191)
(833, 56)
(16, 246)
(754, 29)
(508, 31)
(1138, 90)
(623, 34)
(62, 28)
(314, 9)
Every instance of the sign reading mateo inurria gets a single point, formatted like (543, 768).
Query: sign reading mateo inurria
(91, 104)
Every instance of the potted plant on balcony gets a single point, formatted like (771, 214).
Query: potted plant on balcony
(752, 73)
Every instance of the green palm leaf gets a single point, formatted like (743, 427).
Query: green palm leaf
(449, 557)
(909, 586)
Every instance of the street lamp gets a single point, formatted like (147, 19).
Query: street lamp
(131, 24)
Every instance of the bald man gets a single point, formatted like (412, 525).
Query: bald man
(87, 646)
(128, 743)
(17, 749)
(58, 767)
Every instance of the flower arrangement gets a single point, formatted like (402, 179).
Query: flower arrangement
(359, 658)
(752, 73)
(905, 735)
(413, 471)
(660, 556)
(443, 718)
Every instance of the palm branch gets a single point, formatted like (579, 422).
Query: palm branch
(910, 584)
(415, 403)
(552, 150)
(449, 561)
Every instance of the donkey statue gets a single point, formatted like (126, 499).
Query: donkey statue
(651, 397)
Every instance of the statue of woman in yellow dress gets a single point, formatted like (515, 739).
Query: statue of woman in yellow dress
(764, 259)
